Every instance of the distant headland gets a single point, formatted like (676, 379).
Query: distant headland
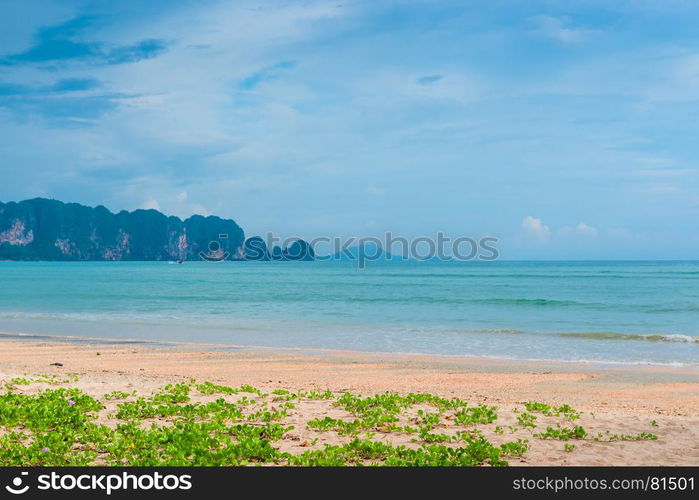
(44, 229)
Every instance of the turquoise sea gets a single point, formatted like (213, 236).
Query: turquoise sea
(628, 312)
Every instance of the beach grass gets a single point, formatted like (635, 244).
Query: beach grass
(45, 421)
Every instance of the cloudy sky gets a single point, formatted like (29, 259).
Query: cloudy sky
(567, 129)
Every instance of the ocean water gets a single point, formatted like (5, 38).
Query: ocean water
(626, 312)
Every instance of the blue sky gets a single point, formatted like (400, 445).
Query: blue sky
(567, 129)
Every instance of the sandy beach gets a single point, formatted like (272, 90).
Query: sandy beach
(614, 399)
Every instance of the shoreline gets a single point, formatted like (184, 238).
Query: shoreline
(7, 336)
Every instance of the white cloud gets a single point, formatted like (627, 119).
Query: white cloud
(665, 172)
(586, 230)
(152, 203)
(536, 229)
(662, 188)
(560, 29)
(581, 229)
(392, 87)
(676, 78)
(164, 200)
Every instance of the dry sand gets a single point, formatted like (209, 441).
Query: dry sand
(619, 399)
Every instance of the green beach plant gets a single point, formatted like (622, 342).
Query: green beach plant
(190, 423)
